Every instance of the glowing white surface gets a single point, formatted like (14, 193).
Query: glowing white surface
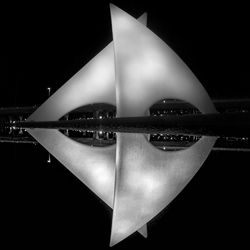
(148, 179)
(94, 83)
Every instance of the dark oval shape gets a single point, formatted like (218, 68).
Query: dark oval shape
(172, 142)
(91, 138)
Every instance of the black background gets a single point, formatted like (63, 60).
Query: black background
(44, 204)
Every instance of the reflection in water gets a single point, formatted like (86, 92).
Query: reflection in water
(166, 142)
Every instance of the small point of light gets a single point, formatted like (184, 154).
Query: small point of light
(49, 89)
(49, 159)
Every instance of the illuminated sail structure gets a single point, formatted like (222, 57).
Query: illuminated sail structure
(133, 177)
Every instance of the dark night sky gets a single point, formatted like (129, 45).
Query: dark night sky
(45, 46)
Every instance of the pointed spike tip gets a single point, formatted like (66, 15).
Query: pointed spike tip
(112, 242)
(112, 6)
